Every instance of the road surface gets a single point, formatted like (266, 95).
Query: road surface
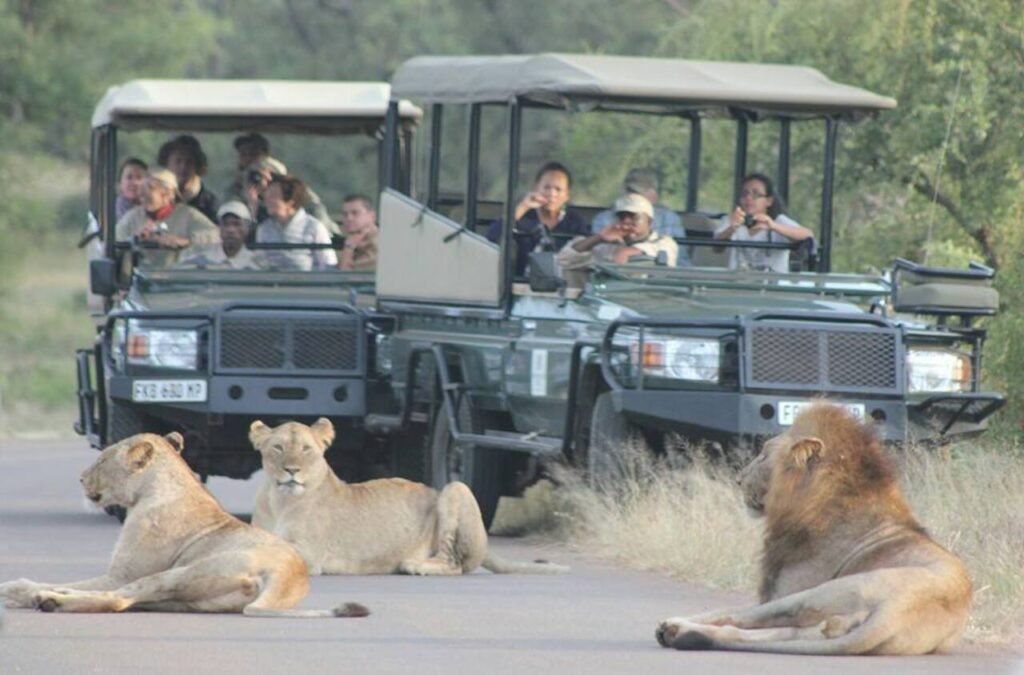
(599, 619)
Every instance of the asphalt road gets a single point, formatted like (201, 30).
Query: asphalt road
(599, 619)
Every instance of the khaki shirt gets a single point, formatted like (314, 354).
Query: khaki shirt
(184, 221)
(364, 257)
(569, 258)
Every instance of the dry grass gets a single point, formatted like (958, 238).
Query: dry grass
(690, 522)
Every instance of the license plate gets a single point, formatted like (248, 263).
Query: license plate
(175, 391)
(788, 410)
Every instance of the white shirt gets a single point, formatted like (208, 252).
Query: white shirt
(301, 229)
(774, 259)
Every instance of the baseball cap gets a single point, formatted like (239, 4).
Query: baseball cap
(640, 180)
(166, 177)
(633, 203)
(276, 167)
(234, 208)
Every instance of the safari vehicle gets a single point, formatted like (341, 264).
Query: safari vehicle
(205, 351)
(500, 374)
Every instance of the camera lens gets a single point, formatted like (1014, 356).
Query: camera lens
(748, 221)
(255, 177)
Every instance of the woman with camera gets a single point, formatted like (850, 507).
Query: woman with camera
(758, 218)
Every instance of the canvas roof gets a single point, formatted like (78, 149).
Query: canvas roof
(265, 105)
(567, 80)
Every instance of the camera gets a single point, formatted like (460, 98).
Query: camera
(748, 221)
(254, 177)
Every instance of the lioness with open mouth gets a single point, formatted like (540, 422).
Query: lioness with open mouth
(383, 526)
(178, 550)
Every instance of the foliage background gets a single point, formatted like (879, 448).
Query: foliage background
(939, 179)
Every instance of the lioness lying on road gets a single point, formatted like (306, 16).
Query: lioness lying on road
(846, 567)
(381, 526)
(178, 550)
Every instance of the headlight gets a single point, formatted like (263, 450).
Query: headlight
(162, 348)
(938, 370)
(694, 359)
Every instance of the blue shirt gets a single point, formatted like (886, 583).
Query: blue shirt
(528, 233)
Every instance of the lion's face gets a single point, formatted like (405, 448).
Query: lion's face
(113, 479)
(293, 453)
(755, 478)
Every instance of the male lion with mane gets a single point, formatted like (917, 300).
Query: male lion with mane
(178, 550)
(846, 568)
(383, 526)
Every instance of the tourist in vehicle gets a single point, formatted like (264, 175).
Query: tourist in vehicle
(759, 218)
(541, 213)
(359, 225)
(234, 222)
(185, 158)
(620, 242)
(255, 167)
(164, 222)
(130, 178)
(288, 223)
(644, 182)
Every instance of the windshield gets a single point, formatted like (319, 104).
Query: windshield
(246, 201)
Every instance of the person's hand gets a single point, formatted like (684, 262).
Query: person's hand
(762, 222)
(356, 239)
(736, 217)
(533, 200)
(613, 233)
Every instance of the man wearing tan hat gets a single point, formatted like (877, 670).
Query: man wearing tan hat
(629, 236)
(168, 225)
(235, 222)
(644, 182)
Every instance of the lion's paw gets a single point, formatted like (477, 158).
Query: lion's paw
(48, 601)
(682, 634)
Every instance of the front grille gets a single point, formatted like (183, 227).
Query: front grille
(856, 359)
(324, 341)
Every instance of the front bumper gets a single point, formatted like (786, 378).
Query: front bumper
(722, 416)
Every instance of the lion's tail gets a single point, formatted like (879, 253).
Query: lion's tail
(499, 565)
(347, 610)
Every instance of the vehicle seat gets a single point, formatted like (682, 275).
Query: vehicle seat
(702, 226)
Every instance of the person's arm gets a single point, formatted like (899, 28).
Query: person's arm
(790, 229)
(610, 234)
(347, 259)
(735, 222)
(323, 257)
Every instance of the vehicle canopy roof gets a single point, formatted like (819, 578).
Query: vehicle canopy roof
(294, 106)
(711, 88)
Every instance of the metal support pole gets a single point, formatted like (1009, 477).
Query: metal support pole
(827, 186)
(740, 157)
(693, 165)
(433, 174)
(782, 173)
(391, 146)
(515, 119)
(473, 167)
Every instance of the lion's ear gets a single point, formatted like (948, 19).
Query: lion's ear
(323, 431)
(258, 432)
(140, 455)
(806, 452)
(176, 440)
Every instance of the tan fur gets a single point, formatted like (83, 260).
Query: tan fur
(178, 550)
(846, 567)
(382, 526)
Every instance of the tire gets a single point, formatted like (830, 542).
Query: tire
(611, 435)
(479, 468)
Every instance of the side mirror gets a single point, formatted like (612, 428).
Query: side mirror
(103, 277)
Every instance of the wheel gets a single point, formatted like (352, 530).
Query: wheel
(612, 439)
(479, 468)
